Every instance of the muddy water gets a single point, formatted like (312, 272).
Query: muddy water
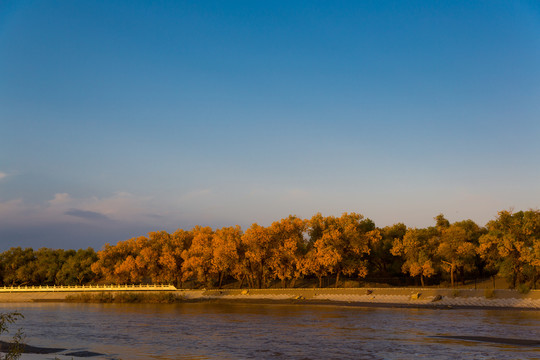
(249, 331)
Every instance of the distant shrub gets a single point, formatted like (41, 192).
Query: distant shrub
(104, 297)
(126, 297)
(489, 293)
(80, 298)
(129, 297)
(523, 288)
(167, 298)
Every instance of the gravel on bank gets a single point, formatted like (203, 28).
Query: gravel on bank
(380, 297)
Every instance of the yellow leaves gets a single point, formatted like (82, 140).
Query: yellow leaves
(257, 240)
(398, 248)
(488, 245)
(414, 269)
(427, 269)
(168, 261)
(466, 250)
(340, 244)
(456, 248)
(535, 253)
(224, 244)
(418, 248)
(363, 271)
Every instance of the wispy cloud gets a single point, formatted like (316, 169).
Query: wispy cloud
(85, 214)
(121, 215)
(60, 199)
(3, 175)
(120, 207)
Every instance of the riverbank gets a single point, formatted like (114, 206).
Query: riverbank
(385, 297)
(380, 297)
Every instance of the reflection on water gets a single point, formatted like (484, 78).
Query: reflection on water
(248, 331)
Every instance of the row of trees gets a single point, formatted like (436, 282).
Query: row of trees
(286, 250)
(292, 248)
(47, 267)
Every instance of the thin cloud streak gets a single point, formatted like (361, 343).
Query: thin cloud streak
(85, 214)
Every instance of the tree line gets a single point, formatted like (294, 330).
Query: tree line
(291, 249)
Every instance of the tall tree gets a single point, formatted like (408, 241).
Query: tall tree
(171, 256)
(287, 255)
(198, 258)
(18, 266)
(418, 248)
(509, 243)
(77, 268)
(455, 250)
(381, 260)
(341, 245)
(116, 263)
(258, 244)
(225, 257)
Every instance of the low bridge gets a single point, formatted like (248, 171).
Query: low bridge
(84, 288)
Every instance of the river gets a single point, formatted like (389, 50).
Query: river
(274, 331)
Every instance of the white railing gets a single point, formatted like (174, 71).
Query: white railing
(32, 288)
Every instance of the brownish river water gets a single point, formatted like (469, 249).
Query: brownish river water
(249, 331)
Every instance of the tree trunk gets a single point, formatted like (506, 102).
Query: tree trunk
(493, 279)
(320, 281)
(422, 279)
(262, 279)
(220, 278)
(293, 282)
(337, 279)
(452, 276)
(242, 281)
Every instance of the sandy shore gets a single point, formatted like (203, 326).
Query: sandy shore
(380, 297)
(384, 297)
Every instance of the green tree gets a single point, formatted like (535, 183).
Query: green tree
(455, 250)
(418, 248)
(510, 243)
(18, 266)
(47, 264)
(381, 260)
(77, 269)
(15, 346)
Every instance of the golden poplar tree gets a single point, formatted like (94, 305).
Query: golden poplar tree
(225, 258)
(258, 244)
(418, 248)
(287, 255)
(198, 258)
(340, 245)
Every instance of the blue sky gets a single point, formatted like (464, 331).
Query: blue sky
(118, 118)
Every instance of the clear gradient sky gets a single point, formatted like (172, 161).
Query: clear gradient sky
(122, 117)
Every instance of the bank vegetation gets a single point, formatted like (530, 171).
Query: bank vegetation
(294, 250)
